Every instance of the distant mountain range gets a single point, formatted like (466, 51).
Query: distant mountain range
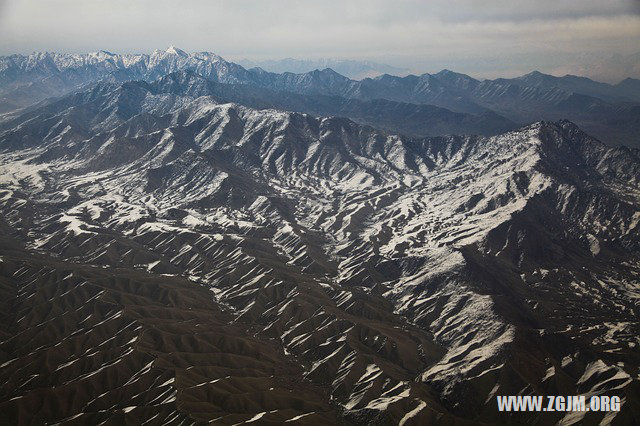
(609, 112)
(356, 70)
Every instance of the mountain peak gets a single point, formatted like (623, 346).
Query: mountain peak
(172, 50)
(629, 80)
(447, 72)
(534, 75)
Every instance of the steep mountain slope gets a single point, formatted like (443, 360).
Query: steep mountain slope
(400, 280)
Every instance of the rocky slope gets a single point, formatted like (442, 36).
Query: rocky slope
(172, 258)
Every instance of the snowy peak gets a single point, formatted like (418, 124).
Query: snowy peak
(172, 50)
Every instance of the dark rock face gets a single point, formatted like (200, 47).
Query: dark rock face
(170, 257)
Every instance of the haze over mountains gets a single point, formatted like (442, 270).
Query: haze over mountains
(187, 241)
(356, 70)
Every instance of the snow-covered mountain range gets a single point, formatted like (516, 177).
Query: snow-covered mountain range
(175, 250)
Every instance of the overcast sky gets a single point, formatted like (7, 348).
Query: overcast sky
(487, 38)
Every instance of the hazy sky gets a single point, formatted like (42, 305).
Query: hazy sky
(485, 38)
